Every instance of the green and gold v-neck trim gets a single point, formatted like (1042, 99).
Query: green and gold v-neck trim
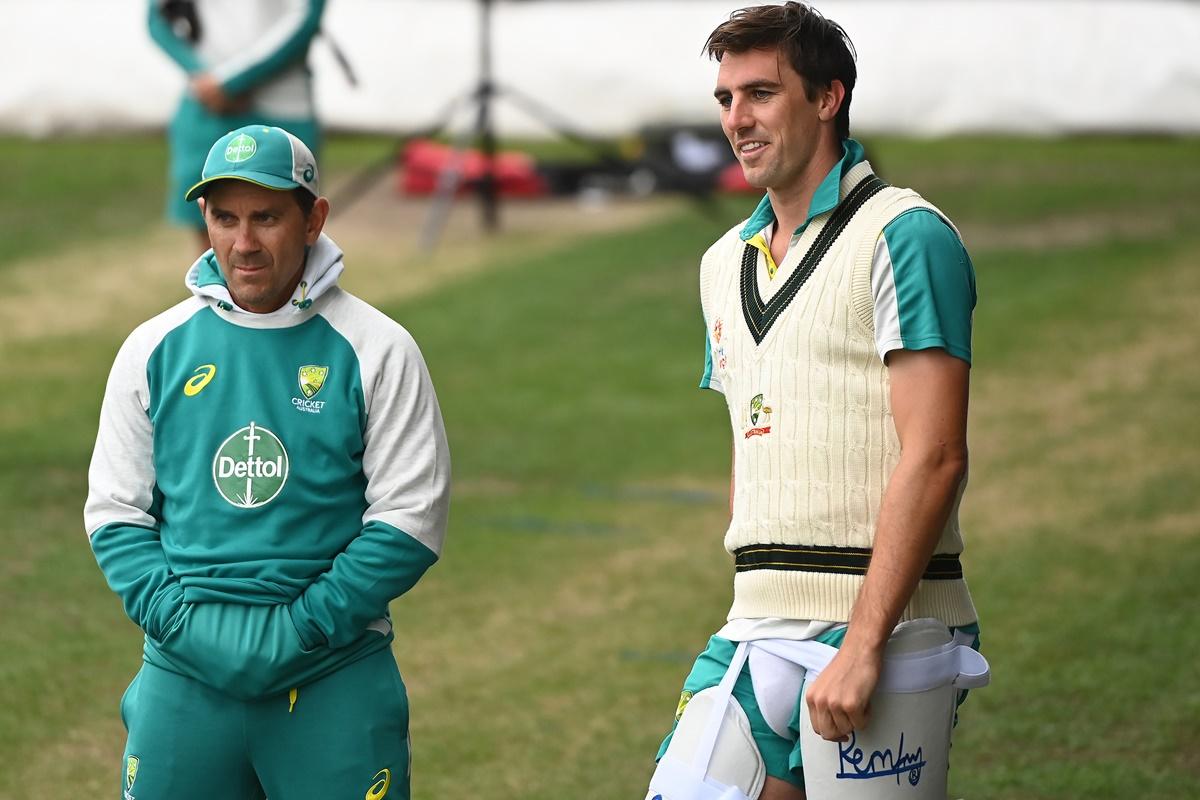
(760, 315)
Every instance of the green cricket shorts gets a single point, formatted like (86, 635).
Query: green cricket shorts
(345, 735)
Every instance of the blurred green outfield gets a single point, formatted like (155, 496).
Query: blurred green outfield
(583, 567)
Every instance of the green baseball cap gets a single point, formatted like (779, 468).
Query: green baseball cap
(260, 154)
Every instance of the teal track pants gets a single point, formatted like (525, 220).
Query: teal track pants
(343, 736)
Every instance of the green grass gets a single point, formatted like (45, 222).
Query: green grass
(583, 568)
(61, 192)
(1004, 180)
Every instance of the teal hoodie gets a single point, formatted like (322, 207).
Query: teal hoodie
(263, 485)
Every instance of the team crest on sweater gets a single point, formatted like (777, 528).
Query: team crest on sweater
(759, 417)
(310, 378)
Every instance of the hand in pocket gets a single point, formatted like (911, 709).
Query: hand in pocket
(244, 651)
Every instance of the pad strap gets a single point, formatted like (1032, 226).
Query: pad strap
(720, 701)
(958, 665)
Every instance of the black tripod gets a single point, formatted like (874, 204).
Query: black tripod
(482, 97)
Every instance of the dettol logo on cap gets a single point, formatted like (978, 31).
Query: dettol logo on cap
(240, 148)
(250, 467)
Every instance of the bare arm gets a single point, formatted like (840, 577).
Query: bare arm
(929, 405)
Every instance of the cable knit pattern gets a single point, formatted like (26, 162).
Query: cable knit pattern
(814, 454)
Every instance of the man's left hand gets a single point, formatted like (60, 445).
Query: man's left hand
(839, 699)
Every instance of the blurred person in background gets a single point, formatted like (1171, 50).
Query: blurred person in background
(246, 62)
(838, 321)
(270, 472)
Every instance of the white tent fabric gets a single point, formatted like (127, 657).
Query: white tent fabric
(926, 67)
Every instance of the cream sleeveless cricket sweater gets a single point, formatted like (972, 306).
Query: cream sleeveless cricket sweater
(808, 398)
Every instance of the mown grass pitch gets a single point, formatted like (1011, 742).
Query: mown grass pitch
(583, 567)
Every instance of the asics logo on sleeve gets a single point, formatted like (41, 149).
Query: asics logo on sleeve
(382, 782)
(197, 382)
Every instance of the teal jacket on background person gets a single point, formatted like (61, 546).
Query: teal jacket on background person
(254, 48)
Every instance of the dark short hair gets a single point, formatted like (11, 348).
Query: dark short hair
(817, 47)
(305, 199)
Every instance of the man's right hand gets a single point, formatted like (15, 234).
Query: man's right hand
(839, 699)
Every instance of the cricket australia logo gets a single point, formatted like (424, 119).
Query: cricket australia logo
(131, 770)
(760, 417)
(685, 697)
(310, 378)
(250, 467)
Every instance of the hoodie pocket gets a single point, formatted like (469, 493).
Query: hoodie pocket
(243, 651)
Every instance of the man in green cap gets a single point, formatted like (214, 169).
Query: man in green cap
(270, 472)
